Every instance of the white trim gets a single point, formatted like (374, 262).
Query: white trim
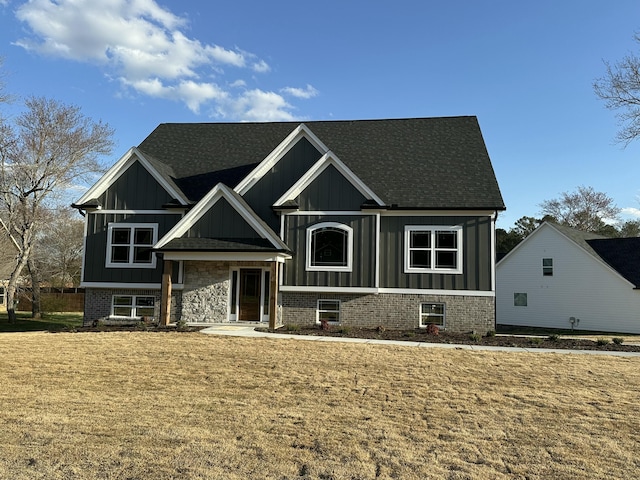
(130, 286)
(132, 246)
(408, 229)
(377, 252)
(131, 156)
(84, 248)
(398, 291)
(329, 213)
(264, 286)
(133, 305)
(228, 256)
(134, 212)
(329, 268)
(321, 289)
(277, 153)
(436, 213)
(316, 170)
(204, 205)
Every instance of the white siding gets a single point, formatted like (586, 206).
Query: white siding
(582, 286)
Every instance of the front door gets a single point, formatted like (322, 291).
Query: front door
(249, 300)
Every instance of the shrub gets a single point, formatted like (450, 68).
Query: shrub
(181, 325)
(345, 330)
(602, 341)
(292, 327)
(381, 329)
(618, 340)
(433, 329)
(535, 340)
(491, 333)
(475, 337)
(324, 324)
(554, 337)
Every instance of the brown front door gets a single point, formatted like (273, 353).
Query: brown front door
(249, 301)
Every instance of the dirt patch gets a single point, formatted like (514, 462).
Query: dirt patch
(421, 335)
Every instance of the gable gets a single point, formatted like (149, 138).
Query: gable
(134, 189)
(330, 191)
(279, 178)
(207, 220)
(221, 221)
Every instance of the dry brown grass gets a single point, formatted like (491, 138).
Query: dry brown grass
(152, 405)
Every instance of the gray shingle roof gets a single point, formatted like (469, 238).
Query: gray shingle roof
(429, 163)
(622, 254)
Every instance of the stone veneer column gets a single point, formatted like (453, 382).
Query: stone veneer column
(205, 297)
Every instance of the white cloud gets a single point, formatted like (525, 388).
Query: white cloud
(143, 45)
(308, 92)
(631, 212)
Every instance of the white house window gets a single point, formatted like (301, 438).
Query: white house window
(130, 245)
(329, 247)
(547, 267)
(328, 310)
(432, 313)
(519, 299)
(132, 306)
(433, 249)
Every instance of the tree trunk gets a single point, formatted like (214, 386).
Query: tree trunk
(12, 288)
(35, 290)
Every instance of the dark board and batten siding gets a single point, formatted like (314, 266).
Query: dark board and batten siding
(135, 189)
(330, 191)
(364, 238)
(96, 249)
(477, 260)
(222, 221)
(279, 179)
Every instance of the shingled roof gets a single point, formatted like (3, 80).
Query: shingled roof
(422, 163)
(622, 254)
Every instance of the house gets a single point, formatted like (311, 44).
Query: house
(559, 277)
(368, 223)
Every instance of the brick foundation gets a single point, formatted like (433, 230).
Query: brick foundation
(393, 311)
(97, 305)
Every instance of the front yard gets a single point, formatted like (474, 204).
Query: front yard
(137, 405)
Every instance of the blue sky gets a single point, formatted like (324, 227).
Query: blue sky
(525, 69)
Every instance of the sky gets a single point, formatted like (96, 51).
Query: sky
(525, 69)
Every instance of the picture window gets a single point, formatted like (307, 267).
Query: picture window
(329, 247)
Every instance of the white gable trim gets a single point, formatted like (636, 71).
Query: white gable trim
(314, 172)
(596, 258)
(280, 151)
(204, 205)
(121, 166)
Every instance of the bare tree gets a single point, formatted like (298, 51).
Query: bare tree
(58, 254)
(620, 90)
(585, 209)
(50, 147)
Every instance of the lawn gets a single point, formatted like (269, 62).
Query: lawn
(51, 322)
(140, 405)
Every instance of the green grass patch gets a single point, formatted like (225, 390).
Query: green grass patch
(51, 322)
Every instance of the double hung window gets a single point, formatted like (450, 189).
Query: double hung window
(130, 245)
(328, 310)
(432, 313)
(436, 249)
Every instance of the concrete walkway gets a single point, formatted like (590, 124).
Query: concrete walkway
(235, 330)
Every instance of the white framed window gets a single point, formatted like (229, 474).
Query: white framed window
(432, 313)
(3, 298)
(547, 267)
(328, 310)
(329, 247)
(433, 249)
(130, 245)
(133, 306)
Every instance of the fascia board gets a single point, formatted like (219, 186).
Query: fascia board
(119, 168)
(204, 205)
(314, 172)
(277, 153)
(160, 179)
(109, 177)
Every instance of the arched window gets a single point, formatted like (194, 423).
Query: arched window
(329, 247)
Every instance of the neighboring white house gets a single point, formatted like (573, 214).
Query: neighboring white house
(559, 277)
